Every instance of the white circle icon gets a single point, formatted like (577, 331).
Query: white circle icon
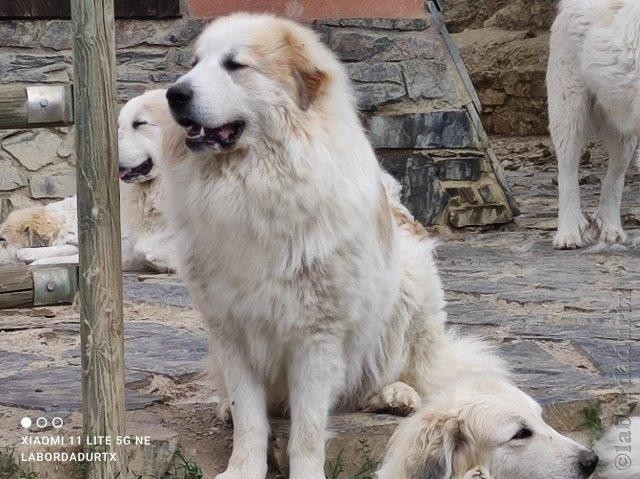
(25, 422)
(56, 422)
(42, 422)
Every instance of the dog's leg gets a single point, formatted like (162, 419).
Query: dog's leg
(607, 217)
(397, 398)
(29, 255)
(316, 372)
(71, 259)
(568, 123)
(249, 411)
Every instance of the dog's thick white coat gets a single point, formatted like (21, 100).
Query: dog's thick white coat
(146, 241)
(593, 82)
(314, 295)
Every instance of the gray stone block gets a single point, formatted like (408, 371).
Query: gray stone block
(57, 183)
(131, 33)
(359, 45)
(142, 60)
(433, 130)
(161, 349)
(618, 359)
(429, 79)
(56, 34)
(27, 67)
(421, 192)
(58, 389)
(34, 149)
(18, 33)
(480, 215)
(378, 23)
(11, 178)
(460, 169)
(172, 293)
(374, 95)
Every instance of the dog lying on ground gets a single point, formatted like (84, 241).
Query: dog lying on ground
(319, 290)
(483, 427)
(43, 234)
(48, 234)
(593, 83)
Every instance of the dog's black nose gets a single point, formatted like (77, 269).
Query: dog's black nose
(588, 462)
(179, 96)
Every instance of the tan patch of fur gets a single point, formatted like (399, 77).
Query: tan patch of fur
(285, 59)
(31, 227)
(613, 8)
(407, 222)
(384, 221)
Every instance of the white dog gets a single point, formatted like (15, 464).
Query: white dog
(619, 450)
(43, 234)
(48, 234)
(146, 242)
(483, 427)
(318, 288)
(593, 83)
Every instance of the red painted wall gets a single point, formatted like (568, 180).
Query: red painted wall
(312, 9)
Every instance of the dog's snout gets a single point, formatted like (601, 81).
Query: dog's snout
(179, 96)
(587, 461)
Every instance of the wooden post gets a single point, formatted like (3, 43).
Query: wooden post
(102, 330)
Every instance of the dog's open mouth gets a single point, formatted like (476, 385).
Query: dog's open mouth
(131, 175)
(224, 137)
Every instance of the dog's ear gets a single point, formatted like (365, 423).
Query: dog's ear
(308, 78)
(431, 453)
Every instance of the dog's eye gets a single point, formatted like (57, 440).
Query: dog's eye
(138, 124)
(230, 65)
(523, 433)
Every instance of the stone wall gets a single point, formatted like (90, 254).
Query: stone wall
(505, 46)
(38, 165)
(410, 92)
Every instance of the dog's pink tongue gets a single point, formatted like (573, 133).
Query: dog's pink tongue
(226, 132)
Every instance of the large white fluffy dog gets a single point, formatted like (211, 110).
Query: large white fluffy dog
(483, 427)
(48, 234)
(318, 289)
(593, 83)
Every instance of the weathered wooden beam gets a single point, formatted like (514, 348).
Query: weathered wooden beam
(32, 106)
(101, 326)
(25, 286)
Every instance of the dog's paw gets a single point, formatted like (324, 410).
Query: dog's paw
(223, 410)
(609, 232)
(477, 473)
(573, 237)
(397, 398)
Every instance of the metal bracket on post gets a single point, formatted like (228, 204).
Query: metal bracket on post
(53, 286)
(49, 104)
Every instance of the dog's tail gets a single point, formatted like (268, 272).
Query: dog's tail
(456, 357)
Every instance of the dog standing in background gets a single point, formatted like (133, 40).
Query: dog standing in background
(593, 82)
